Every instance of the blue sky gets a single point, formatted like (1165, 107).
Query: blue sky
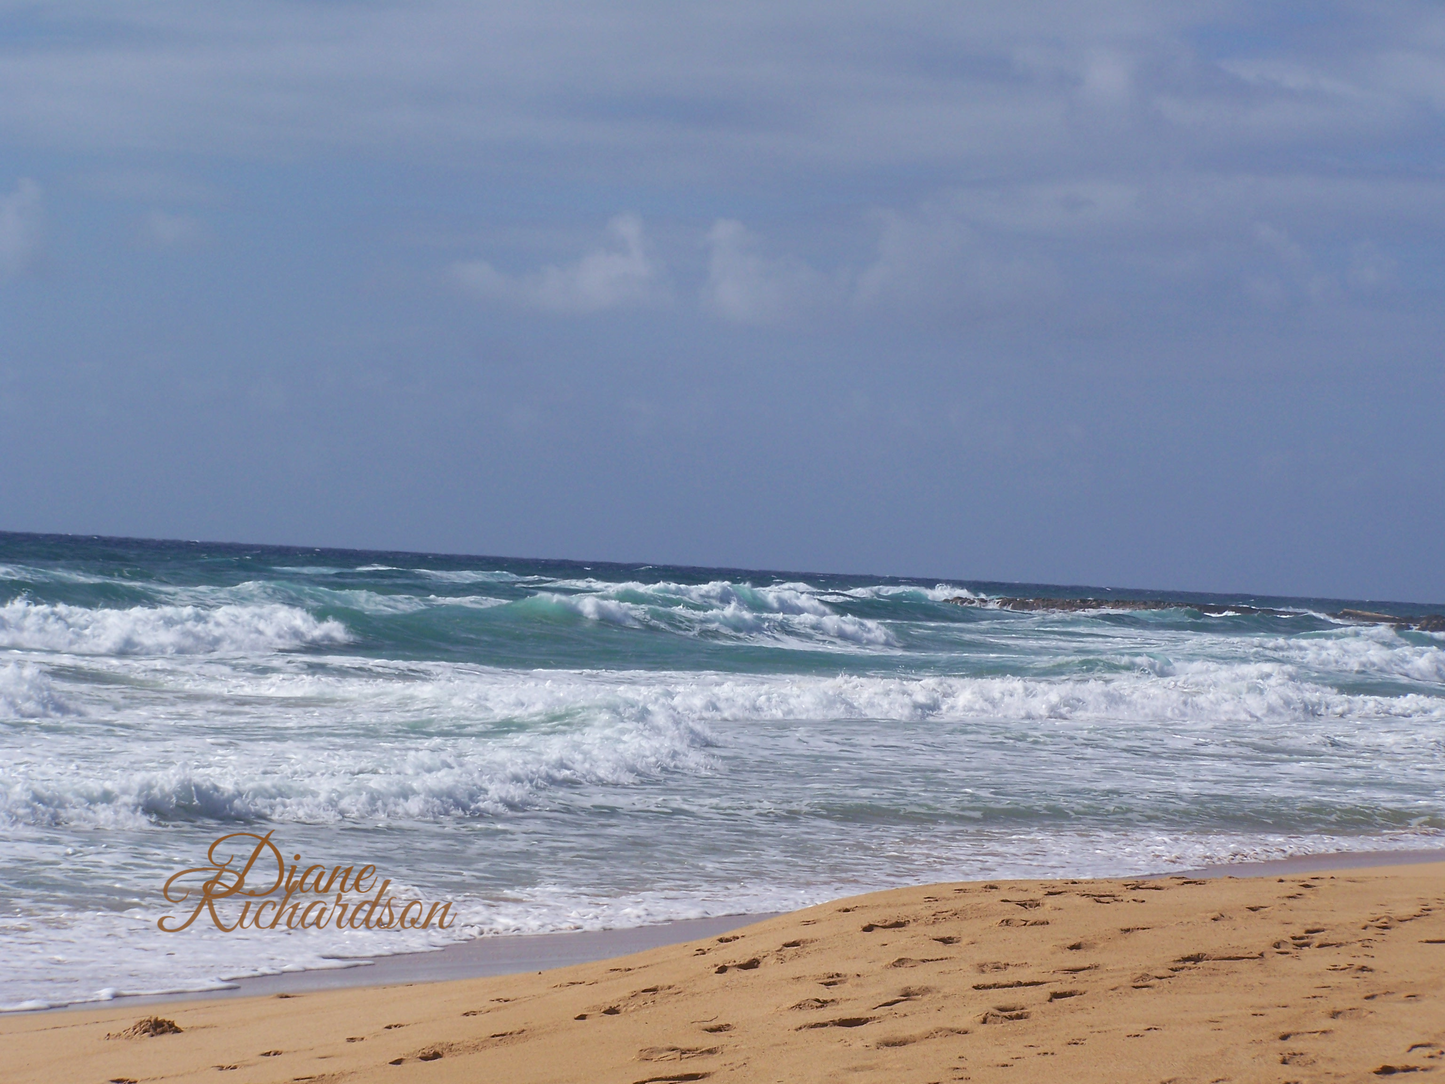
(1111, 293)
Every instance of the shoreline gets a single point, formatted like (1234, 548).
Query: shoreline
(481, 957)
(1319, 863)
(515, 954)
(1309, 976)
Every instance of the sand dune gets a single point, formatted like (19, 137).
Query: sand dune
(1333, 976)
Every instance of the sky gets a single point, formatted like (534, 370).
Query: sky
(1110, 293)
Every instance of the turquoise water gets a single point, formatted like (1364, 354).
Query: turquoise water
(554, 745)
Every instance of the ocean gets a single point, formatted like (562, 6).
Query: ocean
(555, 745)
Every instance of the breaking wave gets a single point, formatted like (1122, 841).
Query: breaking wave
(1373, 652)
(784, 614)
(162, 630)
(430, 742)
(26, 693)
(431, 780)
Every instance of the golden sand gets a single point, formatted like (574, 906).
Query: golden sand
(1337, 976)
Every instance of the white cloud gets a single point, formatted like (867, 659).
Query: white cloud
(22, 227)
(1292, 271)
(165, 230)
(1370, 269)
(1075, 245)
(1286, 270)
(930, 258)
(915, 253)
(933, 258)
(747, 287)
(624, 274)
(1107, 78)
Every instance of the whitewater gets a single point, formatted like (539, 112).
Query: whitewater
(557, 745)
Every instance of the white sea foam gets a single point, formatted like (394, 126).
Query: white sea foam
(474, 602)
(162, 630)
(424, 779)
(448, 575)
(456, 741)
(786, 615)
(606, 610)
(28, 574)
(1377, 650)
(393, 693)
(983, 855)
(940, 593)
(313, 596)
(786, 598)
(254, 592)
(27, 693)
(99, 955)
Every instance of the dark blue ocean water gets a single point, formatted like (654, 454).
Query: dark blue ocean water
(556, 745)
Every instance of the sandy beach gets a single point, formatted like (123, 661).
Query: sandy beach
(1333, 975)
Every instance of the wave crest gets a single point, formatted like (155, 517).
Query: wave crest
(26, 693)
(438, 780)
(163, 630)
(787, 615)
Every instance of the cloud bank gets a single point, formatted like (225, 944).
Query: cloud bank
(753, 87)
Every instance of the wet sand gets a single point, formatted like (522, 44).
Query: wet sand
(478, 958)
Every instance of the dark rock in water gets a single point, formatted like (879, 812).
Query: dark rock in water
(1368, 616)
(1425, 623)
